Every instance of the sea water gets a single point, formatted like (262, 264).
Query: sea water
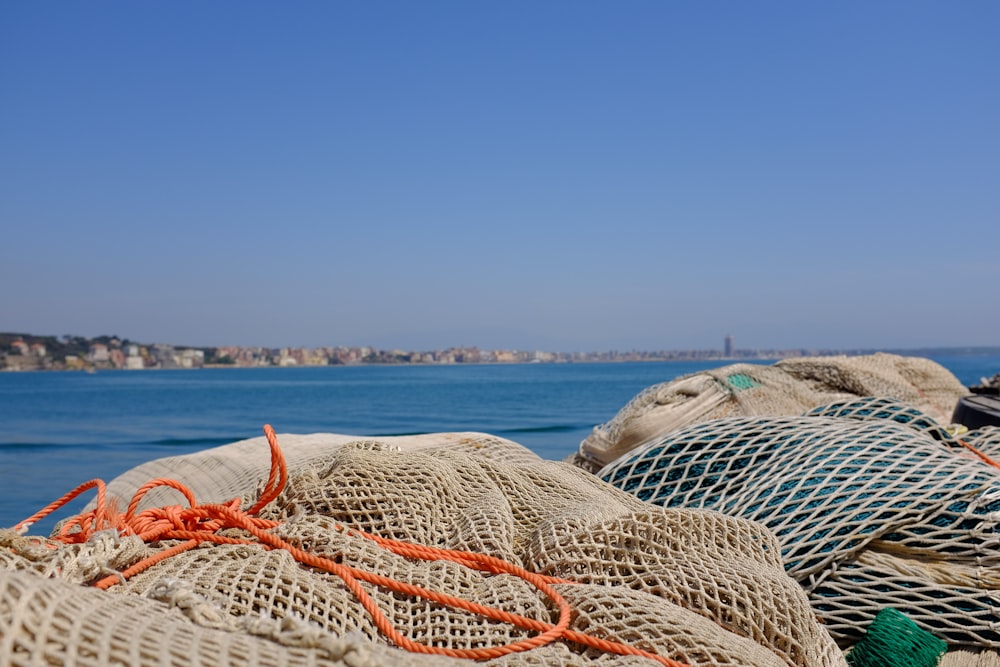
(63, 428)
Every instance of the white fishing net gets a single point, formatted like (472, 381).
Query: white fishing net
(692, 585)
(873, 502)
(788, 387)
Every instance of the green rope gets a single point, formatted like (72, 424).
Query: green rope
(893, 640)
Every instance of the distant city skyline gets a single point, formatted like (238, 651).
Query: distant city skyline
(572, 176)
(28, 352)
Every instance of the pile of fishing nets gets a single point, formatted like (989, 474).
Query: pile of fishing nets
(879, 502)
(688, 585)
(873, 502)
(788, 387)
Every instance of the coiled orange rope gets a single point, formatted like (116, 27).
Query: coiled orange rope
(200, 523)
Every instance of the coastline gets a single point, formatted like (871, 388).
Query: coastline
(27, 353)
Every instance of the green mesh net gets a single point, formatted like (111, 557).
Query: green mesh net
(893, 640)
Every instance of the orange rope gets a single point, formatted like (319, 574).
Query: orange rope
(986, 459)
(200, 523)
(983, 457)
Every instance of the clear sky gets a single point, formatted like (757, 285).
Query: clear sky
(571, 176)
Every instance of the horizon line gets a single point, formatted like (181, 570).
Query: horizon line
(800, 348)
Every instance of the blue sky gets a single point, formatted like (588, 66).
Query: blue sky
(552, 175)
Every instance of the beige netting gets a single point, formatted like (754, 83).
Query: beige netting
(693, 585)
(788, 387)
(234, 470)
(970, 659)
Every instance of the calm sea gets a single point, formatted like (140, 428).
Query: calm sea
(61, 429)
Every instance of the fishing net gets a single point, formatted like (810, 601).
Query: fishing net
(986, 439)
(788, 387)
(874, 504)
(964, 658)
(693, 585)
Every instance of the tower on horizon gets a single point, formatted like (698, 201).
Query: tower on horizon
(727, 346)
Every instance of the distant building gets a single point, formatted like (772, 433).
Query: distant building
(727, 347)
(190, 358)
(163, 355)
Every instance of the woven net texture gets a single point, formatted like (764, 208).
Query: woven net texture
(873, 502)
(692, 585)
(787, 388)
(964, 658)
